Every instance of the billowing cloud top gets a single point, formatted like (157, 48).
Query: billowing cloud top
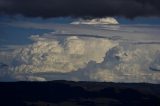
(81, 58)
(80, 8)
(107, 20)
(49, 55)
(117, 53)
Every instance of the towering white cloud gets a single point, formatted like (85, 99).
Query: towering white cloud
(107, 20)
(127, 65)
(49, 55)
(155, 65)
(133, 57)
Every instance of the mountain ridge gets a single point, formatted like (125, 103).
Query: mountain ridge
(70, 93)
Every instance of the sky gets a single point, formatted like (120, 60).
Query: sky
(79, 40)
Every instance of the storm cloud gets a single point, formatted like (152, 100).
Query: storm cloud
(80, 8)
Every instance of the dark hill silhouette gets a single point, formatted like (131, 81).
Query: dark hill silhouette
(69, 93)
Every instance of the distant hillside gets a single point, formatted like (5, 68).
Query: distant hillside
(68, 93)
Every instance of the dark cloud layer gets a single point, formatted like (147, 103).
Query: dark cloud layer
(80, 8)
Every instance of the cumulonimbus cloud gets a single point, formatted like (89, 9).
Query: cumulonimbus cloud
(79, 58)
(49, 55)
(80, 8)
(124, 65)
(71, 54)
